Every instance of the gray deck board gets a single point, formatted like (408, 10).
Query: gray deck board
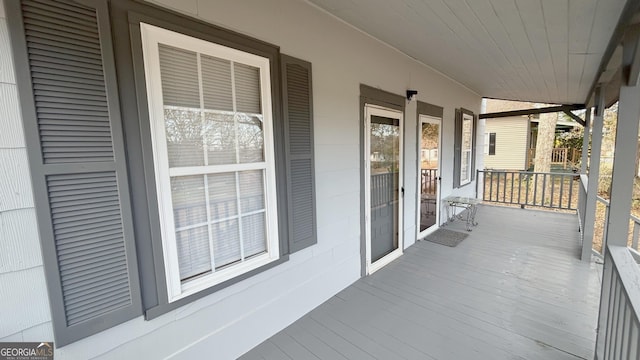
(514, 289)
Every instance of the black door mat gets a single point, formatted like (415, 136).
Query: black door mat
(446, 237)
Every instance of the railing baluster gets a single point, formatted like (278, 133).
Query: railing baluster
(498, 187)
(605, 228)
(544, 188)
(535, 189)
(636, 233)
(613, 297)
(504, 188)
(570, 192)
(634, 339)
(562, 178)
(526, 196)
(619, 320)
(512, 176)
(519, 186)
(491, 187)
(553, 185)
(624, 343)
(484, 185)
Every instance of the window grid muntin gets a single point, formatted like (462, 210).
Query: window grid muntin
(152, 36)
(260, 165)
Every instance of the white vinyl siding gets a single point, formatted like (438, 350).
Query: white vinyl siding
(212, 136)
(511, 143)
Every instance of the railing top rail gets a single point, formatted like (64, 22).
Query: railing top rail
(606, 202)
(629, 273)
(527, 172)
(635, 254)
(584, 178)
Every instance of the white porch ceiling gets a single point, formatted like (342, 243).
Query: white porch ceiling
(532, 50)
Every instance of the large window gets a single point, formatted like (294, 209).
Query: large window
(466, 154)
(210, 110)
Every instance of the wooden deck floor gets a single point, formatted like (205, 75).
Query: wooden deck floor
(514, 289)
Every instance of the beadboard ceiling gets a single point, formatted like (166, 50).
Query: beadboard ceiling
(534, 50)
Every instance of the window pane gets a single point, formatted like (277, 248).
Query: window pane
(194, 257)
(254, 234)
(250, 138)
(187, 194)
(223, 201)
(226, 242)
(251, 190)
(216, 83)
(466, 134)
(466, 164)
(219, 132)
(247, 81)
(179, 77)
(184, 137)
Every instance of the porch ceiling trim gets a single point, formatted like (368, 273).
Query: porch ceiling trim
(575, 117)
(626, 18)
(544, 110)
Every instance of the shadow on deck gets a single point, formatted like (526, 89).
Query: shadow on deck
(514, 289)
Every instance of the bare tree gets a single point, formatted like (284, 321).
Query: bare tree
(544, 149)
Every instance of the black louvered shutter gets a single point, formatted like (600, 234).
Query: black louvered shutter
(298, 115)
(457, 148)
(76, 152)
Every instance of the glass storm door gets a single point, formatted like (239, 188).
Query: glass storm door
(429, 173)
(383, 186)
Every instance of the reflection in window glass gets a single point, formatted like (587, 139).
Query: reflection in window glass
(220, 137)
(466, 149)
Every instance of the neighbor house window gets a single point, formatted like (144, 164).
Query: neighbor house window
(466, 153)
(211, 126)
(492, 143)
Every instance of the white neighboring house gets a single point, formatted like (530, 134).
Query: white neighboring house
(509, 142)
(506, 143)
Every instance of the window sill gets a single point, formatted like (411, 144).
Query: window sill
(163, 308)
(222, 276)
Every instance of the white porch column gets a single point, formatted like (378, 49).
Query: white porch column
(624, 165)
(621, 181)
(594, 172)
(585, 142)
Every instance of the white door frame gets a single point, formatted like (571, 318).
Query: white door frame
(422, 119)
(370, 110)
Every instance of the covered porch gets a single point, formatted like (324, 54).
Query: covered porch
(514, 289)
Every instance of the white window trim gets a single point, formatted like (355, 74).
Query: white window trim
(486, 143)
(463, 150)
(151, 36)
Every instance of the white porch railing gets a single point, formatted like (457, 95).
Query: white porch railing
(619, 332)
(634, 223)
(526, 188)
(582, 202)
